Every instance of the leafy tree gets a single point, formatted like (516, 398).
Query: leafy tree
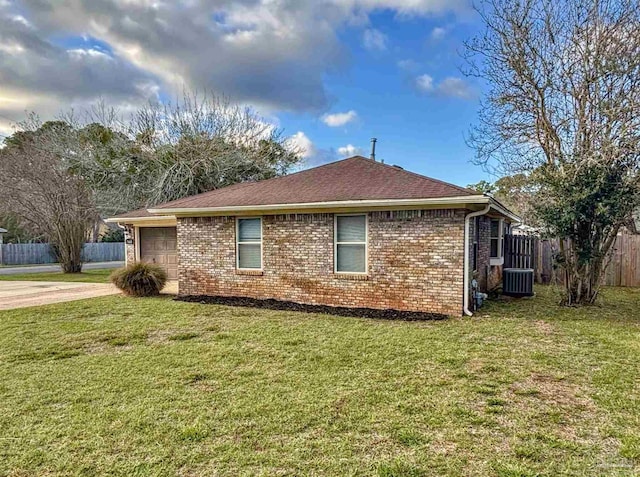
(485, 187)
(517, 192)
(112, 234)
(563, 108)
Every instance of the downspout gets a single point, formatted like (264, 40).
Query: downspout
(467, 221)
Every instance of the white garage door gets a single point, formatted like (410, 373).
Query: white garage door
(159, 245)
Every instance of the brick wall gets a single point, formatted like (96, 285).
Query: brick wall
(484, 251)
(415, 261)
(488, 276)
(130, 249)
(484, 269)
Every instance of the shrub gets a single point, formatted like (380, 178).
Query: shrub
(140, 279)
(113, 235)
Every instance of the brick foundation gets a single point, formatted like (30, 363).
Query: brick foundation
(415, 261)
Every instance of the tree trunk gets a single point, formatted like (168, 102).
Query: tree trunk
(71, 266)
(68, 246)
(583, 286)
(69, 256)
(584, 277)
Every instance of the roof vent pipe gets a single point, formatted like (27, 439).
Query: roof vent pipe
(373, 148)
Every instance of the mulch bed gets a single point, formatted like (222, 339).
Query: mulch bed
(271, 304)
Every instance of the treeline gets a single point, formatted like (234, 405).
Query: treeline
(61, 177)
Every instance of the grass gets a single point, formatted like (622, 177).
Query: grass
(150, 386)
(90, 276)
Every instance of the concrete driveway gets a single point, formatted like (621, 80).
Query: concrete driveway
(20, 294)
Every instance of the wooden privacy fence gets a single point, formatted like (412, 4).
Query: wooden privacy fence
(623, 269)
(520, 251)
(39, 253)
(103, 252)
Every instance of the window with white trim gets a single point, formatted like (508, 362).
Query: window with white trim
(506, 230)
(249, 244)
(350, 240)
(496, 238)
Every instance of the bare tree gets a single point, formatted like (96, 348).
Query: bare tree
(202, 143)
(168, 151)
(61, 176)
(563, 108)
(43, 192)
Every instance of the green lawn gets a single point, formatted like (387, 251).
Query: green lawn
(91, 276)
(126, 386)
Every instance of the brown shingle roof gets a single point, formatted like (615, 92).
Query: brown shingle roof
(355, 178)
(137, 214)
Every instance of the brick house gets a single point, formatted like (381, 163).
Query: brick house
(354, 233)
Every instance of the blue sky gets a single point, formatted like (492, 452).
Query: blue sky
(421, 131)
(331, 73)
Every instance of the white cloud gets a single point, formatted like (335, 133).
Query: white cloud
(408, 65)
(302, 143)
(245, 49)
(450, 86)
(349, 150)
(312, 155)
(41, 76)
(22, 20)
(425, 83)
(438, 33)
(374, 40)
(337, 120)
(406, 7)
(455, 87)
(6, 129)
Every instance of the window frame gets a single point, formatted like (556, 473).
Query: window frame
(497, 259)
(238, 243)
(336, 243)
